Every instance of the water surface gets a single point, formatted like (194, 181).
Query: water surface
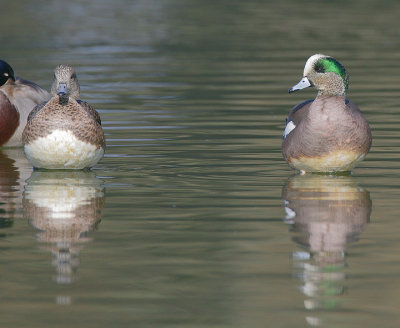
(193, 219)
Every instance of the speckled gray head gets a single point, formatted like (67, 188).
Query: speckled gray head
(65, 82)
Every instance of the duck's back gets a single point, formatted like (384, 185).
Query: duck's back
(31, 91)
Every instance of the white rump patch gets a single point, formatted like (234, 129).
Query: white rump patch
(290, 126)
(62, 150)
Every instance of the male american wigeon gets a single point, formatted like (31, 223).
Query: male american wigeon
(17, 98)
(328, 133)
(65, 132)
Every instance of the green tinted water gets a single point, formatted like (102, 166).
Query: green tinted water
(193, 219)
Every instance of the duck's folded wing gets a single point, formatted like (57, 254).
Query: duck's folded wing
(299, 111)
(31, 90)
(36, 110)
(90, 110)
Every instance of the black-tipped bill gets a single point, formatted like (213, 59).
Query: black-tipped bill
(62, 89)
(304, 83)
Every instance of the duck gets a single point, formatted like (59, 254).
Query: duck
(65, 132)
(327, 134)
(17, 98)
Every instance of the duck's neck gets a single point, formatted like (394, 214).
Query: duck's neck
(328, 105)
(329, 93)
(63, 99)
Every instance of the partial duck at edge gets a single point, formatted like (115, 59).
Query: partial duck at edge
(17, 98)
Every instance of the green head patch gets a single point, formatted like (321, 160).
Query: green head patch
(329, 64)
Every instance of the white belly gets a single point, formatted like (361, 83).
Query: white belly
(62, 150)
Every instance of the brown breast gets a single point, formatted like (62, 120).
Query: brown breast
(69, 116)
(9, 119)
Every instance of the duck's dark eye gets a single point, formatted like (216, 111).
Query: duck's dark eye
(319, 68)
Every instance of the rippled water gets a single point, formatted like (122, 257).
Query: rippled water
(193, 219)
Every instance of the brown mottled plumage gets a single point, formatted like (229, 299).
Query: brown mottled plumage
(329, 133)
(45, 142)
(78, 117)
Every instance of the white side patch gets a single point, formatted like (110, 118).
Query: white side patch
(290, 126)
(62, 150)
(290, 214)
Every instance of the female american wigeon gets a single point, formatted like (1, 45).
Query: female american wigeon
(17, 98)
(65, 132)
(328, 133)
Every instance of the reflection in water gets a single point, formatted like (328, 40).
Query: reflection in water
(328, 213)
(14, 170)
(64, 206)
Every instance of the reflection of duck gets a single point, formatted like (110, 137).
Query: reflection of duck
(329, 212)
(64, 206)
(14, 170)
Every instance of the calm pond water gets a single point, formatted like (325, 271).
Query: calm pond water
(193, 219)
